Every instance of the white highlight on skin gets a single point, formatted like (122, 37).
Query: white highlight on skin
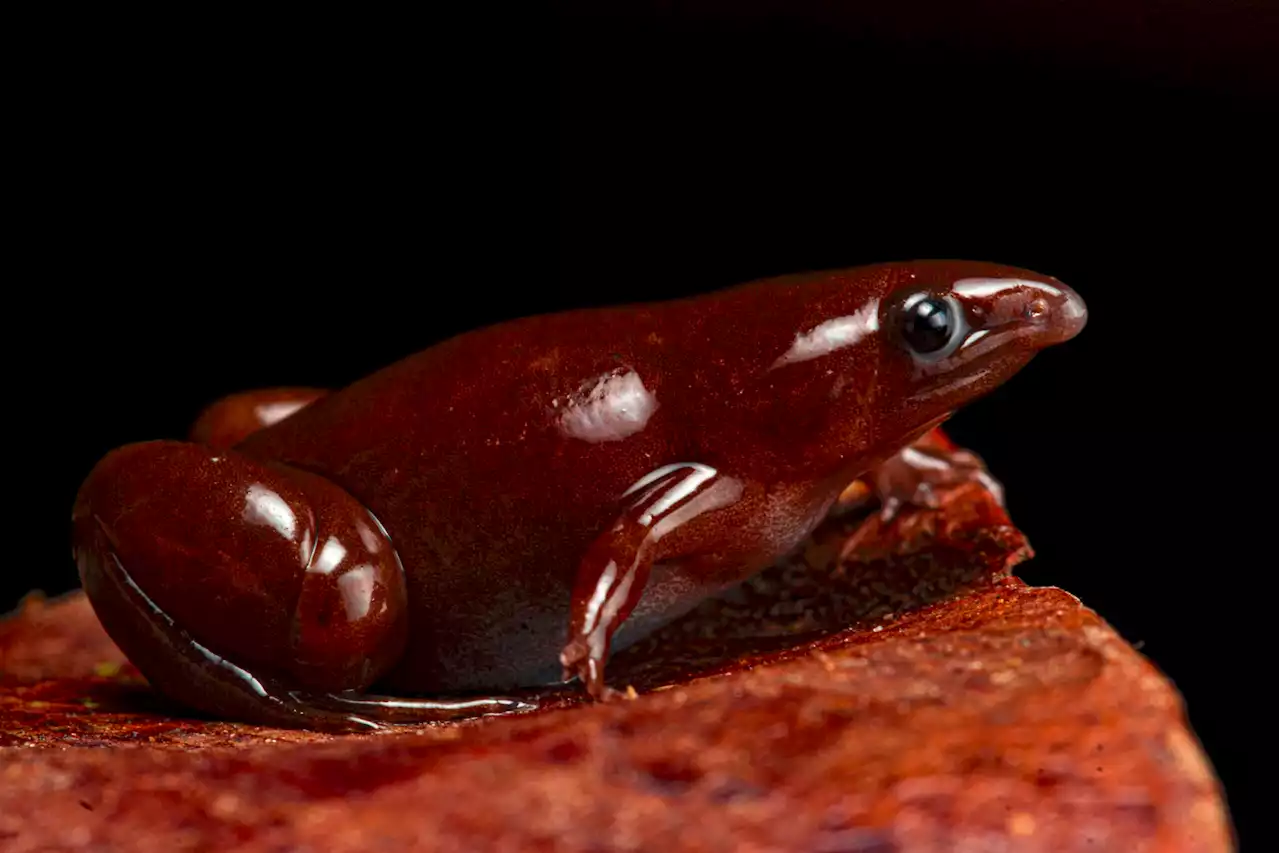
(833, 334)
(659, 473)
(725, 491)
(217, 660)
(330, 556)
(978, 344)
(306, 548)
(981, 288)
(610, 608)
(419, 704)
(371, 540)
(916, 459)
(263, 506)
(698, 474)
(271, 413)
(356, 587)
(609, 408)
(675, 494)
(602, 589)
(243, 675)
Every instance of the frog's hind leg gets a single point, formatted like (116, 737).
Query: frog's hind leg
(248, 590)
(198, 677)
(230, 420)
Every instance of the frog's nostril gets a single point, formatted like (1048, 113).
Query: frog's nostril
(1037, 308)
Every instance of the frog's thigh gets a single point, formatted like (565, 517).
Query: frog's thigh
(234, 418)
(197, 565)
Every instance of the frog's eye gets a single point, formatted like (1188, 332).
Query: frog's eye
(931, 327)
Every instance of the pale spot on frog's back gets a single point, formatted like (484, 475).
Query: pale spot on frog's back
(609, 407)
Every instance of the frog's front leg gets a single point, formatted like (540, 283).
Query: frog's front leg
(913, 478)
(249, 590)
(914, 475)
(669, 514)
(230, 420)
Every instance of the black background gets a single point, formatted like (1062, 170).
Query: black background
(282, 208)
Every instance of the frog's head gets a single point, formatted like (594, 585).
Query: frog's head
(950, 331)
(865, 360)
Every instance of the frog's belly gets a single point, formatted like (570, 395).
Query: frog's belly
(516, 623)
(519, 644)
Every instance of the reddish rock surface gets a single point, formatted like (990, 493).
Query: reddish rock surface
(917, 698)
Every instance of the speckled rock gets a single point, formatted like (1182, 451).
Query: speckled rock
(908, 696)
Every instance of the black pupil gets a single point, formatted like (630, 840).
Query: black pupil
(927, 326)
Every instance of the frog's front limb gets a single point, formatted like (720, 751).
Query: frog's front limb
(675, 514)
(914, 478)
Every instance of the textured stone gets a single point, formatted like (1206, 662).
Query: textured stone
(912, 697)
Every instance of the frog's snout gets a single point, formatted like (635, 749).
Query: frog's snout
(1060, 313)
(1042, 311)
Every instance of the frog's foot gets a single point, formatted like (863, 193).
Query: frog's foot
(232, 419)
(248, 590)
(580, 661)
(915, 478)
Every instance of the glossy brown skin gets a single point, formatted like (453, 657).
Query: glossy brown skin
(552, 486)
(234, 418)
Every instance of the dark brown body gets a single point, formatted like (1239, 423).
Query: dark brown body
(496, 459)
(460, 452)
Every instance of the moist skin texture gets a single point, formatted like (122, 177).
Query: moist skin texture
(500, 510)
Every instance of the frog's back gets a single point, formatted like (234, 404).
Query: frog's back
(492, 459)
